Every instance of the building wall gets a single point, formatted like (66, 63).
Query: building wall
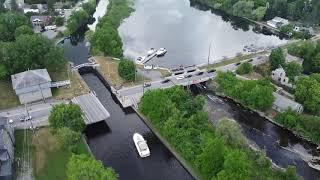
(35, 96)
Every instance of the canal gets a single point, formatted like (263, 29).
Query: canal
(111, 141)
(186, 31)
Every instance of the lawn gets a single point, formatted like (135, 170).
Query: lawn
(7, 95)
(49, 160)
(78, 86)
(109, 69)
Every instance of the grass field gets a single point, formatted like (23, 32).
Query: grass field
(7, 95)
(49, 160)
(109, 69)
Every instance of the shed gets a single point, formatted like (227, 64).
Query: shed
(282, 103)
(92, 108)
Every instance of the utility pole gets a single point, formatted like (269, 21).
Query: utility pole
(209, 55)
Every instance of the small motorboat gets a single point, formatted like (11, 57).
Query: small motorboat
(151, 51)
(140, 58)
(141, 145)
(161, 52)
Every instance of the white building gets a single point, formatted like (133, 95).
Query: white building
(32, 85)
(277, 22)
(282, 103)
(279, 75)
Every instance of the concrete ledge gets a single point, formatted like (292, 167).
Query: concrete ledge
(182, 161)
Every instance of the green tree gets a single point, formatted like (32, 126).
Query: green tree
(244, 68)
(9, 22)
(76, 20)
(293, 69)
(260, 12)
(127, 70)
(236, 166)
(59, 21)
(243, 9)
(24, 29)
(211, 160)
(231, 133)
(68, 138)
(83, 167)
(89, 7)
(277, 58)
(3, 72)
(108, 41)
(67, 115)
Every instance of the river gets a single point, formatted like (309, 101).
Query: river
(186, 32)
(280, 145)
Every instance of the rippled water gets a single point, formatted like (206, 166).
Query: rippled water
(186, 32)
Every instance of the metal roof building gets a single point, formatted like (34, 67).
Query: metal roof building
(282, 103)
(92, 108)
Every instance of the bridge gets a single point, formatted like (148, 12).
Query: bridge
(131, 96)
(57, 84)
(89, 64)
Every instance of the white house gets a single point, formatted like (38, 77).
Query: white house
(277, 22)
(279, 75)
(32, 85)
(282, 103)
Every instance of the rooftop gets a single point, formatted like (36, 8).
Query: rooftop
(92, 108)
(30, 78)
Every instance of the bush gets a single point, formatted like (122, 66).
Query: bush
(59, 21)
(68, 138)
(127, 70)
(244, 68)
(66, 115)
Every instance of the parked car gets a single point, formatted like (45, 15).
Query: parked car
(212, 70)
(199, 73)
(25, 118)
(251, 60)
(147, 85)
(165, 81)
(188, 76)
(180, 77)
(237, 64)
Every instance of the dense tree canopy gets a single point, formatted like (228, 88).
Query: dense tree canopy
(127, 70)
(76, 20)
(66, 115)
(307, 126)
(84, 167)
(310, 52)
(244, 68)
(214, 152)
(29, 52)
(24, 29)
(255, 94)
(106, 38)
(9, 22)
(293, 69)
(277, 58)
(308, 93)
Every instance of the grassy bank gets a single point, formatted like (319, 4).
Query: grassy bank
(48, 159)
(7, 95)
(106, 40)
(109, 70)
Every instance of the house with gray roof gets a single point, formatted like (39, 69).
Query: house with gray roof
(6, 149)
(282, 103)
(32, 85)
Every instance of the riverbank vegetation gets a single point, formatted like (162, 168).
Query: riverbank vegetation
(309, 51)
(79, 18)
(127, 70)
(244, 68)
(106, 38)
(256, 94)
(305, 125)
(296, 10)
(219, 152)
(307, 92)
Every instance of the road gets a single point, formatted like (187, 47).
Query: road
(39, 112)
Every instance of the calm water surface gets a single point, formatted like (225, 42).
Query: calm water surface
(186, 32)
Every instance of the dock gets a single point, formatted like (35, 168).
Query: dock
(92, 108)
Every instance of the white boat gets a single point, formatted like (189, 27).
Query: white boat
(141, 145)
(161, 52)
(140, 58)
(151, 51)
